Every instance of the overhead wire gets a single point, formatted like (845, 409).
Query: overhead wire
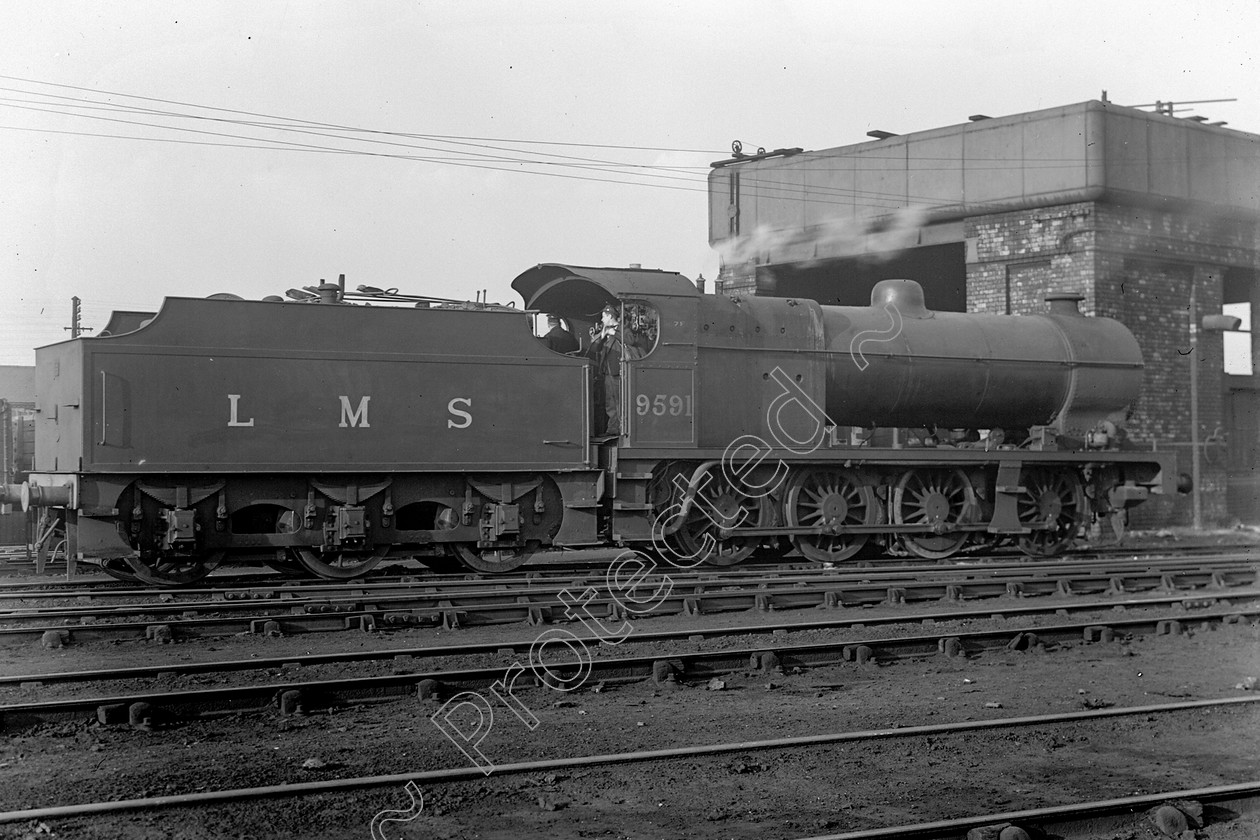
(504, 157)
(289, 124)
(869, 198)
(287, 121)
(261, 131)
(312, 122)
(292, 125)
(276, 123)
(488, 153)
(291, 145)
(770, 187)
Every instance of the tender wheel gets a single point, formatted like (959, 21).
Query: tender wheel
(1051, 497)
(493, 561)
(340, 565)
(940, 498)
(825, 497)
(174, 569)
(719, 506)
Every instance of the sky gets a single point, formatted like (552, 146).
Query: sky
(191, 148)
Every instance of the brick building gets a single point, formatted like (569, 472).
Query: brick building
(1142, 213)
(17, 442)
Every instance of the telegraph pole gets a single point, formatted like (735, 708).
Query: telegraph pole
(75, 314)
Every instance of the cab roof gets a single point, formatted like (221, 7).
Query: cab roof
(547, 285)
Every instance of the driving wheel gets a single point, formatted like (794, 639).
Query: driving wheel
(829, 498)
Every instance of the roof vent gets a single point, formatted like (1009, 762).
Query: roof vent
(906, 296)
(1064, 303)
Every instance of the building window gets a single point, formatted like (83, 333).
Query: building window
(1238, 346)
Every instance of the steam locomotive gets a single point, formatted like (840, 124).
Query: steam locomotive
(328, 434)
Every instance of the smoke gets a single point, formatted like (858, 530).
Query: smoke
(877, 240)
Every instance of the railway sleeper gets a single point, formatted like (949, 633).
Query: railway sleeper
(667, 670)
(1026, 642)
(162, 634)
(535, 614)
(54, 639)
(292, 702)
(366, 623)
(1169, 627)
(452, 617)
(1099, 633)
(1177, 817)
(430, 690)
(1002, 831)
(768, 661)
(111, 714)
(1169, 584)
(266, 627)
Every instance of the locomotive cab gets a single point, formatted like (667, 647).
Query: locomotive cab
(643, 388)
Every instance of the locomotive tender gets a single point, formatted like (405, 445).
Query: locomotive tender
(327, 436)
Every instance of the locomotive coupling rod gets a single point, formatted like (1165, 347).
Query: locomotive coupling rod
(35, 495)
(878, 528)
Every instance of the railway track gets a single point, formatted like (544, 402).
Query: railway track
(535, 601)
(1184, 612)
(108, 589)
(1239, 797)
(14, 561)
(361, 788)
(561, 563)
(1077, 819)
(678, 668)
